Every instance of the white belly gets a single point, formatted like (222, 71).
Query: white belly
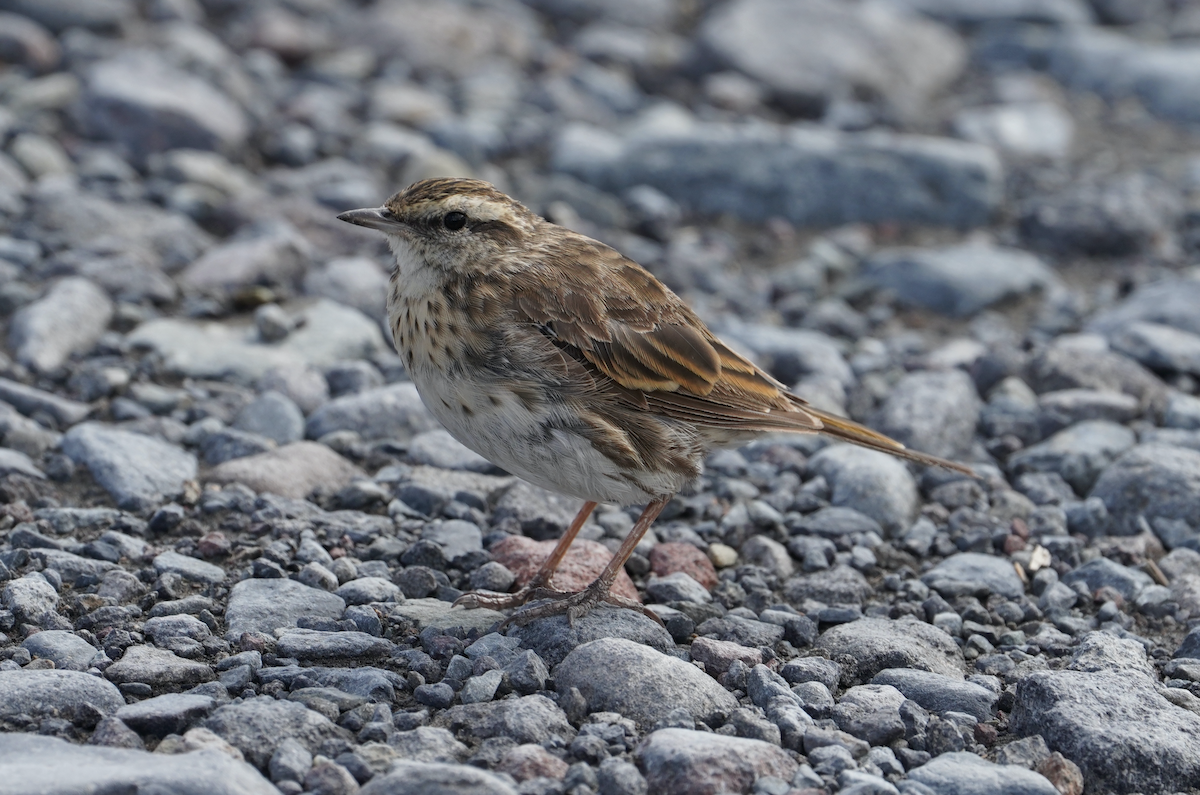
(498, 425)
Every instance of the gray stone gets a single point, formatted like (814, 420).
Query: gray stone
(553, 638)
(66, 650)
(274, 416)
(312, 644)
(69, 565)
(974, 573)
(677, 587)
(528, 719)
(959, 280)
(1162, 77)
(812, 669)
(540, 514)
(1159, 347)
(226, 444)
(257, 726)
(869, 645)
(443, 617)
(811, 177)
(1152, 481)
(1119, 216)
(1169, 302)
(162, 628)
(481, 688)
(871, 712)
(189, 568)
(702, 763)
(835, 522)
(143, 102)
(26, 436)
(743, 631)
(140, 472)
(870, 482)
(69, 319)
(935, 412)
(455, 537)
(812, 52)
(29, 401)
(354, 281)
(428, 744)
(1087, 716)
(1026, 129)
(291, 760)
(293, 470)
(439, 449)
(75, 696)
(1079, 453)
(435, 778)
(327, 333)
(1082, 366)
(30, 598)
(389, 412)
(12, 461)
(48, 765)
(267, 605)
(967, 774)
(59, 15)
(1099, 572)
(1066, 407)
(976, 12)
(365, 590)
(303, 385)
(618, 675)
(166, 714)
(938, 693)
(157, 668)
(272, 252)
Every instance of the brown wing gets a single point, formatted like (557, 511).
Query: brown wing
(612, 314)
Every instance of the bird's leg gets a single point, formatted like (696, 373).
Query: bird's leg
(578, 604)
(540, 583)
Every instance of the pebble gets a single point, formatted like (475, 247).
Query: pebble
(157, 668)
(428, 744)
(311, 644)
(718, 655)
(257, 726)
(696, 763)
(188, 568)
(967, 773)
(267, 605)
(528, 719)
(417, 778)
(65, 649)
(293, 470)
(388, 412)
(939, 693)
(645, 685)
(871, 483)
(274, 416)
(958, 280)
(171, 713)
(677, 587)
(1151, 481)
(935, 412)
(872, 713)
(531, 761)
(974, 573)
(872, 644)
(1079, 453)
(140, 472)
(69, 319)
(439, 449)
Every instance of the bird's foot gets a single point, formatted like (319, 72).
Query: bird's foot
(506, 601)
(576, 605)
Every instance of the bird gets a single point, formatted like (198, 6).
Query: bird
(571, 366)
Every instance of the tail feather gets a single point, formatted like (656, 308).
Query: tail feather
(850, 431)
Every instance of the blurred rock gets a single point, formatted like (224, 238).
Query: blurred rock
(69, 319)
(140, 472)
(290, 471)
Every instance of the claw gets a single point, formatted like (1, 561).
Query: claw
(575, 605)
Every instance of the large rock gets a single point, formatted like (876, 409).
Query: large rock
(1159, 347)
(1077, 366)
(290, 471)
(553, 637)
(618, 675)
(811, 177)
(1170, 302)
(959, 280)
(68, 319)
(257, 726)
(328, 333)
(935, 412)
(49, 766)
(965, 773)
(1153, 481)
(436, 778)
(1124, 736)
(872, 483)
(388, 412)
(140, 472)
(974, 573)
(1078, 453)
(267, 605)
(809, 52)
(938, 693)
(684, 762)
(158, 668)
(869, 645)
(529, 719)
(73, 695)
(1165, 78)
(143, 102)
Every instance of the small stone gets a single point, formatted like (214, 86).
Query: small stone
(77, 697)
(938, 693)
(524, 762)
(157, 668)
(419, 778)
(69, 319)
(967, 773)
(870, 645)
(258, 726)
(294, 470)
(166, 714)
(140, 472)
(389, 412)
(553, 638)
(974, 573)
(677, 587)
(528, 719)
(872, 483)
(697, 763)
(274, 416)
(718, 655)
(670, 557)
(188, 568)
(267, 605)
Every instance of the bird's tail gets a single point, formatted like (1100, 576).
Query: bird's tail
(846, 430)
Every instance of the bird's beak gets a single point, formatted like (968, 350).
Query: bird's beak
(379, 218)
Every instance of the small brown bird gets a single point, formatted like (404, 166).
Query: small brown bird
(565, 363)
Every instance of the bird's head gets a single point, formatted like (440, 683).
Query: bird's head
(449, 223)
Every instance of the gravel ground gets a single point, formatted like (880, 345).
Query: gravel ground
(230, 533)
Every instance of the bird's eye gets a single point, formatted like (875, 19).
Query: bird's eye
(454, 221)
